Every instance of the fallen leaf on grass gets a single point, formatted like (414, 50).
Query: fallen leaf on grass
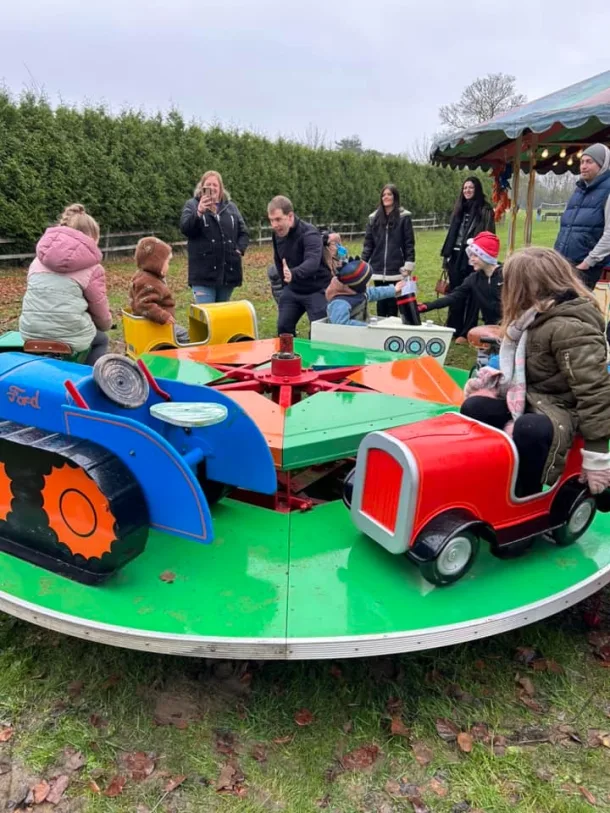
(360, 758)
(398, 728)
(173, 783)
(231, 780)
(544, 665)
(527, 655)
(480, 732)
(259, 752)
(446, 730)
(527, 685)
(418, 804)
(437, 788)
(168, 577)
(76, 687)
(422, 753)
(394, 706)
(138, 765)
(6, 733)
(464, 741)
(531, 704)
(40, 792)
(545, 775)
(97, 721)
(111, 682)
(455, 691)
(225, 742)
(588, 796)
(58, 788)
(303, 717)
(73, 760)
(115, 788)
(94, 787)
(499, 745)
(284, 740)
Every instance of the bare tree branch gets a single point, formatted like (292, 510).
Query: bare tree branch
(481, 100)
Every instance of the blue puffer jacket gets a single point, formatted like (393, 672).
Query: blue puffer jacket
(582, 223)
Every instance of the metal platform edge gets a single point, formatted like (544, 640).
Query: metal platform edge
(303, 648)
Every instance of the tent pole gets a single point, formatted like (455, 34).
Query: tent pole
(531, 187)
(515, 202)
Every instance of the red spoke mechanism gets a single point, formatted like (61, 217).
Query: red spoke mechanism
(285, 380)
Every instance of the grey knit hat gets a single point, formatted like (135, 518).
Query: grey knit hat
(597, 152)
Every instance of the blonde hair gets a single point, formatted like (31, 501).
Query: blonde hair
(211, 173)
(327, 257)
(75, 216)
(535, 277)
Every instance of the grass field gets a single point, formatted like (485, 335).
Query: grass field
(93, 724)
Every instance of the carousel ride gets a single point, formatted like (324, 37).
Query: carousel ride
(111, 480)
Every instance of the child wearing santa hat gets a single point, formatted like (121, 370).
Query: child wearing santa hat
(149, 295)
(483, 289)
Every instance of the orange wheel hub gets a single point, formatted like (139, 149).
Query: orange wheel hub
(6, 495)
(78, 512)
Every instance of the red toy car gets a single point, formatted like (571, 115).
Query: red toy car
(433, 489)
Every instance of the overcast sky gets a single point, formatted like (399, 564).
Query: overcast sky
(379, 69)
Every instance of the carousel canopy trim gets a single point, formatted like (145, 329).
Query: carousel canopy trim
(567, 119)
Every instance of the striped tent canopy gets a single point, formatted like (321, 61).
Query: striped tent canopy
(558, 125)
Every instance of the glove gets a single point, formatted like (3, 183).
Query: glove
(595, 471)
(422, 307)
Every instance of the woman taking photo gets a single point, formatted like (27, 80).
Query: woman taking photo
(471, 215)
(553, 380)
(217, 240)
(389, 245)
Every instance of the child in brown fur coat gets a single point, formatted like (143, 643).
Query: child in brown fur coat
(149, 295)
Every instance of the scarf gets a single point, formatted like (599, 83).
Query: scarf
(512, 362)
(509, 381)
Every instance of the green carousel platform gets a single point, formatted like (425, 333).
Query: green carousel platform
(298, 586)
(303, 582)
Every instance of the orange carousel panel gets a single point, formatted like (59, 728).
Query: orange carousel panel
(422, 378)
(269, 418)
(257, 352)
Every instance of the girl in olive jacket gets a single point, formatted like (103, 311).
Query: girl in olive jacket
(553, 380)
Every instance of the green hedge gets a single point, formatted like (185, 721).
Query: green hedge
(134, 172)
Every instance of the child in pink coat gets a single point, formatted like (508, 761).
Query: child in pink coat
(65, 298)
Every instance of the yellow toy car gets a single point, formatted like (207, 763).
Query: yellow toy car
(216, 323)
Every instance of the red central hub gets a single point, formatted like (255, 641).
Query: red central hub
(285, 380)
(286, 370)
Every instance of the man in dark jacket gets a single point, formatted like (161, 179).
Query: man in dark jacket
(297, 252)
(584, 233)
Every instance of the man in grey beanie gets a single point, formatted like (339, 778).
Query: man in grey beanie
(584, 233)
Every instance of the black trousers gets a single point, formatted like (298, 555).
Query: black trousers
(532, 434)
(464, 315)
(386, 307)
(292, 306)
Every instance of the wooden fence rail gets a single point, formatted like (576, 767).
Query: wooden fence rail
(111, 242)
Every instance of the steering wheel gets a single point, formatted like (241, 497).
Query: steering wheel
(121, 381)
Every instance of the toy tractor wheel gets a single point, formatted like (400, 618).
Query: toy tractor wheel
(579, 518)
(453, 560)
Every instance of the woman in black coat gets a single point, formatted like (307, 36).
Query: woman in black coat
(471, 215)
(217, 241)
(389, 245)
